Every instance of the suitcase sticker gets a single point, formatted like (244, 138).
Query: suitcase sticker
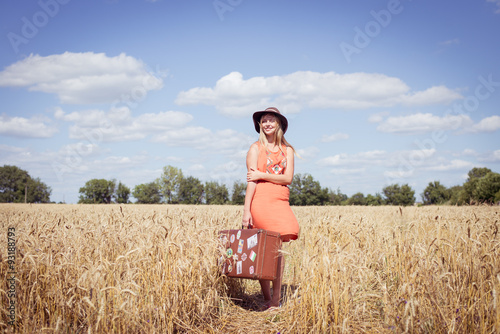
(252, 241)
(249, 253)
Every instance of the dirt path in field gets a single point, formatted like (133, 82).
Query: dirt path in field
(247, 321)
(245, 315)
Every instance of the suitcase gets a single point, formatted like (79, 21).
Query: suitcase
(249, 253)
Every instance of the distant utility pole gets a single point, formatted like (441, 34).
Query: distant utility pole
(25, 194)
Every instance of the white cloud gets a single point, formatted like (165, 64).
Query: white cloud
(112, 162)
(407, 164)
(396, 165)
(452, 165)
(226, 173)
(161, 121)
(38, 164)
(234, 96)
(373, 155)
(398, 175)
(224, 141)
(171, 128)
(35, 127)
(6, 149)
(420, 123)
(118, 124)
(369, 158)
(411, 159)
(336, 160)
(308, 152)
(334, 137)
(431, 96)
(196, 168)
(82, 78)
(86, 118)
(189, 136)
(347, 171)
(378, 117)
(491, 157)
(488, 124)
(498, 5)
(77, 160)
(469, 152)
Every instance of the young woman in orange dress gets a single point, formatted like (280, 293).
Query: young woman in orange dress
(270, 163)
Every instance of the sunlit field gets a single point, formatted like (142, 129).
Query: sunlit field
(153, 269)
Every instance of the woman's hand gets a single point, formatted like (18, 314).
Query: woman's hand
(254, 175)
(247, 220)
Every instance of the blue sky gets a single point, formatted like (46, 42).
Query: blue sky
(376, 92)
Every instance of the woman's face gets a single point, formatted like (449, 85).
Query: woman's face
(269, 124)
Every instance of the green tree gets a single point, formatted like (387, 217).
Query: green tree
(337, 198)
(374, 200)
(487, 188)
(190, 191)
(239, 191)
(357, 199)
(122, 194)
(216, 193)
(304, 190)
(470, 192)
(148, 193)
(477, 173)
(399, 195)
(170, 182)
(435, 193)
(38, 192)
(97, 191)
(17, 186)
(455, 195)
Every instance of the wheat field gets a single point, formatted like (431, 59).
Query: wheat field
(153, 269)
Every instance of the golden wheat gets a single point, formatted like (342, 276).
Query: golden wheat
(153, 269)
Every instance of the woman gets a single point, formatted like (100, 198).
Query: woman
(270, 162)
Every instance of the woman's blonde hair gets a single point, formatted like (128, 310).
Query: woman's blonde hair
(279, 136)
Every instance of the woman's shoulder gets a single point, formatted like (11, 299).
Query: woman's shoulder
(254, 147)
(255, 144)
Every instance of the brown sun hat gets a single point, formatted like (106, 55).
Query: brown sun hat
(271, 110)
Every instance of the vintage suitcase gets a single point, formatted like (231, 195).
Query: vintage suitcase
(250, 253)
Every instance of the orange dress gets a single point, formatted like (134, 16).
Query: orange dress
(270, 208)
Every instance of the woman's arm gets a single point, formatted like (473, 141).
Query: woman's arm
(252, 157)
(282, 179)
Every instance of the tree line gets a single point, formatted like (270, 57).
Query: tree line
(172, 187)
